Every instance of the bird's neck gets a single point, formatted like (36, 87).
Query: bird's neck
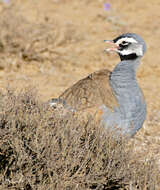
(124, 74)
(125, 87)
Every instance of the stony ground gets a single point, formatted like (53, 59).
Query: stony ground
(51, 44)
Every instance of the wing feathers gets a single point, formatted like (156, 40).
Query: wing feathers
(92, 91)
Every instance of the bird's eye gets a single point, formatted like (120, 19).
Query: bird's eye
(124, 43)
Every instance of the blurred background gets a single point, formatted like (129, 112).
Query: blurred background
(51, 44)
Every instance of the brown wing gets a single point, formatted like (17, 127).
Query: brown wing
(90, 92)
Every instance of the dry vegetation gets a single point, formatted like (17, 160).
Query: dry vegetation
(40, 149)
(26, 42)
(22, 41)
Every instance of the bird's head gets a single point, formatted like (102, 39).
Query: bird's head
(129, 46)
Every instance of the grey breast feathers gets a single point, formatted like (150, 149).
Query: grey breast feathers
(92, 91)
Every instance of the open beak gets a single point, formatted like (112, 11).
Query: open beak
(114, 48)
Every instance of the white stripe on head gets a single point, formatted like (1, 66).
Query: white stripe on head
(130, 40)
(138, 51)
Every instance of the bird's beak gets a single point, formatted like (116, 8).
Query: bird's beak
(114, 48)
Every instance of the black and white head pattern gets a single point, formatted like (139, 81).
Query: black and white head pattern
(130, 46)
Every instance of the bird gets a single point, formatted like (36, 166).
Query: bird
(115, 94)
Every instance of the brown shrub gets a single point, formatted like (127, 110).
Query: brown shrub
(40, 149)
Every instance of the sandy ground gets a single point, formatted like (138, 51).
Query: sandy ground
(73, 47)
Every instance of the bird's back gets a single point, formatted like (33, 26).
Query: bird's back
(92, 91)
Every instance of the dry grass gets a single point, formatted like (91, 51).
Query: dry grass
(23, 41)
(39, 149)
